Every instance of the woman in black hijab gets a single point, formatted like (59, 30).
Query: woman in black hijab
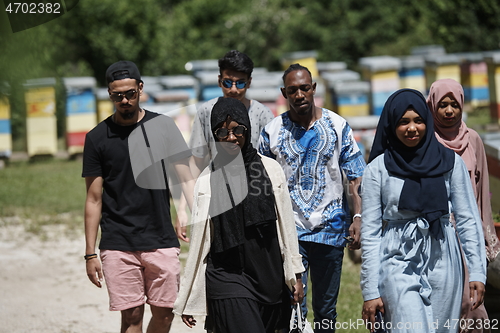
(243, 261)
(411, 267)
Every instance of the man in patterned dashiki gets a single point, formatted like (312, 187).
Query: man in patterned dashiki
(316, 148)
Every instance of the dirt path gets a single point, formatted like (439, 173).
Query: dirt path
(44, 288)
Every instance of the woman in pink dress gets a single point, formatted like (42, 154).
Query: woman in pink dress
(446, 100)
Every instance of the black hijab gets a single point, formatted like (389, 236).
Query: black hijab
(423, 166)
(257, 206)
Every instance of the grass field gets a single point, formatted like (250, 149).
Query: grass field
(53, 192)
(45, 192)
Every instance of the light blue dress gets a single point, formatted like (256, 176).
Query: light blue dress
(418, 275)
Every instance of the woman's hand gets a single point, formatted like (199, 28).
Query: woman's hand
(298, 290)
(476, 291)
(189, 320)
(370, 309)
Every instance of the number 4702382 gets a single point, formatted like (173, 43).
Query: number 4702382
(471, 324)
(33, 8)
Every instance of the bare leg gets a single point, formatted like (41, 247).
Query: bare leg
(132, 320)
(161, 320)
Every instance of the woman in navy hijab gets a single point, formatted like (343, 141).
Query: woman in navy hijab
(413, 189)
(244, 263)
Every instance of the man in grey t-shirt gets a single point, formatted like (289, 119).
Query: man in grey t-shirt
(235, 78)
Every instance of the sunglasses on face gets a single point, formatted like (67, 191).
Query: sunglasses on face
(227, 83)
(237, 131)
(118, 97)
(290, 90)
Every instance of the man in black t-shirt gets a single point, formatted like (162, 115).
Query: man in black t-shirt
(125, 163)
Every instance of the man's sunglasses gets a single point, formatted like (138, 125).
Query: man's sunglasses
(222, 133)
(118, 97)
(226, 83)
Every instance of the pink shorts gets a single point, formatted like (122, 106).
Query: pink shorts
(133, 277)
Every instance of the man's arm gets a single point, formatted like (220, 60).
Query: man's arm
(265, 145)
(355, 228)
(181, 221)
(199, 145)
(183, 171)
(93, 207)
(197, 164)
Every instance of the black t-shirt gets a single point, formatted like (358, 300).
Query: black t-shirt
(135, 218)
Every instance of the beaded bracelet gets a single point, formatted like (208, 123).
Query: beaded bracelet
(87, 257)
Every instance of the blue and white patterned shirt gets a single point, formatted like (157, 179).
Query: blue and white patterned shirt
(313, 161)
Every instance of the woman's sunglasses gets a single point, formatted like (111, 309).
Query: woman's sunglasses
(118, 97)
(226, 83)
(238, 131)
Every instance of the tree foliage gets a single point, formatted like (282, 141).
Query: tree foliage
(161, 36)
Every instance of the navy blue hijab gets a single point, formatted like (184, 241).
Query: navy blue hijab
(423, 166)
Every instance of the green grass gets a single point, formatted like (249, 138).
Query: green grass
(48, 187)
(479, 118)
(46, 192)
(350, 301)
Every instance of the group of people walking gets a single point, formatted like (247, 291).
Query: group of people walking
(269, 209)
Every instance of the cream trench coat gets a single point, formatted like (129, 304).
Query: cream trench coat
(192, 294)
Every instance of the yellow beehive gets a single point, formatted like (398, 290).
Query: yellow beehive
(41, 130)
